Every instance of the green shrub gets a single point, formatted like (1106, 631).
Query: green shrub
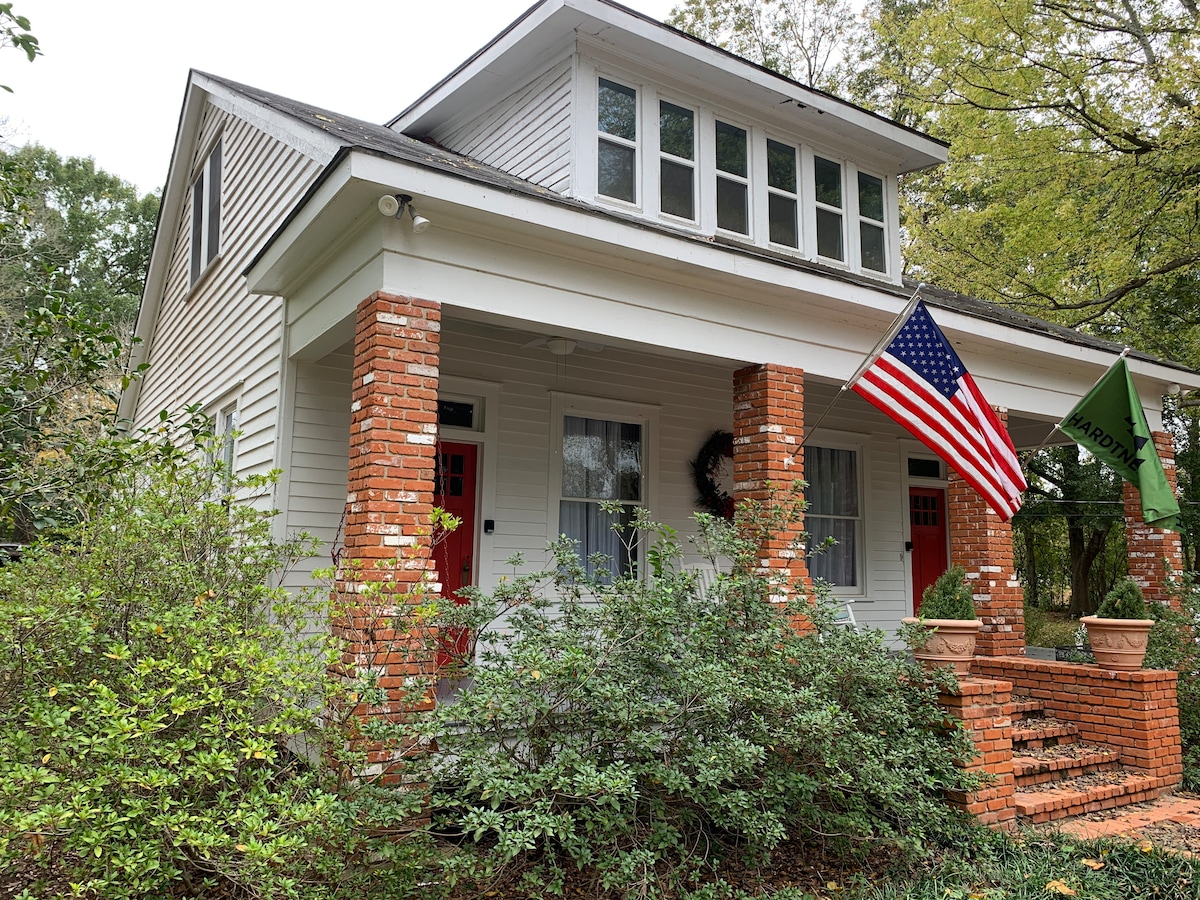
(1124, 601)
(643, 729)
(1173, 646)
(949, 597)
(162, 716)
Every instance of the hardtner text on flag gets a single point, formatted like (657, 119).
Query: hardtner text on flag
(919, 381)
(1110, 424)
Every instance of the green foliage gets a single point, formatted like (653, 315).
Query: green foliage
(14, 32)
(1124, 601)
(644, 729)
(164, 724)
(87, 235)
(1173, 646)
(57, 390)
(949, 597)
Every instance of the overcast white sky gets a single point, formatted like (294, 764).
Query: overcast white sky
(110, 83)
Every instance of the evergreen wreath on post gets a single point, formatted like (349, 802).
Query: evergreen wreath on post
(705, 467)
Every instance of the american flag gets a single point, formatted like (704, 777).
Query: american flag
(919, 381)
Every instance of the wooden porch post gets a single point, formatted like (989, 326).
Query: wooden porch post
(1149, 548)
(768, 426)
(982, 545)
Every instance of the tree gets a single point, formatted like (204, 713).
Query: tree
(802, 39)
(1072, 188)
(85, 233)
(14, 32)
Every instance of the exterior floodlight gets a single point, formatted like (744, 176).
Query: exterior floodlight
(420, 223)
(389, 205)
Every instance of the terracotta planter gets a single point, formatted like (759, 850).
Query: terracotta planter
(1119, 644)
(951, 643)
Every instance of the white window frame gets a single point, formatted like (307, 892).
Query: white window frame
(205, 192)
(834, 441)
(748, 182)
(840, 211)
(662, 156)
(226, 413)
(860, 220)
(644, 414)
(637, 144)
(769, 191)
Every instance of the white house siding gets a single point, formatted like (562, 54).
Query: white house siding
(218, 342)
(527, 134)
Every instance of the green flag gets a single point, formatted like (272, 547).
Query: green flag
(1109, 423)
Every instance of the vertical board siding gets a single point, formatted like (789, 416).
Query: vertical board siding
(219, 341)
(527, 134)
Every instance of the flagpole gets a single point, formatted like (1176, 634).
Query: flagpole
(1058, 424)
(888, 335)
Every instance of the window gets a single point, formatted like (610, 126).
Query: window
(601, 460)
(827, 178)
(833, 511)
(616, 166)
(733, 171)
(206, 213)
(677, 160)
(782, 200)
(225, 432)
(870, 222)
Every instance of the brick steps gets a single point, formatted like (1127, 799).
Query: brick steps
(1042, 766)
(1088, 793)
(1057, 776)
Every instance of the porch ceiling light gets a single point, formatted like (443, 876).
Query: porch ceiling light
(560, 346)
(394, 205)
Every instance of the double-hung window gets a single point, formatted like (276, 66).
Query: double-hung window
(677, 160)
(206, 214)
(602, 460)
(871, 234)
(783, 201)
(617, 122)
(827, 190)
(733, 178)
(834, 511)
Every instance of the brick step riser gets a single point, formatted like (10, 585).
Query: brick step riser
(1037, 810)
(1045, 776)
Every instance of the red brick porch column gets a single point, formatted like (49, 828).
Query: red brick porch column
(982, 545)
(393, 434)
(982, 705)
(1149, 547)
(768, 425)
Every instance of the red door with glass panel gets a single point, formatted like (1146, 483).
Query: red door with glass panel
(454, 491)
(927, 524)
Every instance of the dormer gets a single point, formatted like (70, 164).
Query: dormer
(600, 103)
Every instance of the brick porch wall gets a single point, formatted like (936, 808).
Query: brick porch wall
(1134, 712)
(1149, 547)
(768, 426)
(387, 556)
(982, 545)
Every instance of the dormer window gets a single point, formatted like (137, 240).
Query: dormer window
(871, 235)
(783, 201)
(677, 160)
(616, 168)
(690, 165)
(827, 189)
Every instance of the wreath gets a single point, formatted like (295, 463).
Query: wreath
(705, 467)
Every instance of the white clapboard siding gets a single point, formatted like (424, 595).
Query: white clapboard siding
(527, 134)
(217, 342)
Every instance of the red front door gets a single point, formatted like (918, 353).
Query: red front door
(927, 524)
(454, 491)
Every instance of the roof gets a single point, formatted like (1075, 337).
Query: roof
(368, 137)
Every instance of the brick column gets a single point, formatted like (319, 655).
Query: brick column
(1149, 547)
(387, 558)
(982, 705)
(768, 425)
(982, 545)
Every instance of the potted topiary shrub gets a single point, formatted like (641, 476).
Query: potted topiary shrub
(946, 630)
(1119, 630)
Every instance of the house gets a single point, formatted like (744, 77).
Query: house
(550, 280)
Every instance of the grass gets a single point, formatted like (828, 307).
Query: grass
(1049, 628)
(1046, 865)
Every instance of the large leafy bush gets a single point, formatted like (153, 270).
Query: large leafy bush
(645, 728)
(164, 725)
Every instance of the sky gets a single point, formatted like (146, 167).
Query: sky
(110, 82)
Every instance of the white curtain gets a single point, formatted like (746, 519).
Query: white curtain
(833, 511)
